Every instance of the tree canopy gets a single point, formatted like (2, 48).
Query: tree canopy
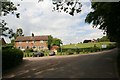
(106, 16)
(53, 41)
(7, 7)
(68, 6)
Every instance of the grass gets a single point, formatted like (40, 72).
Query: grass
(87, 45)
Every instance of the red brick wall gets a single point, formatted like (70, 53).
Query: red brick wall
(30, 44)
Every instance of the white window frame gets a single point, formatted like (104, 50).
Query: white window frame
(41, 41)
(27, 41)
(20, 42)
(27, 47)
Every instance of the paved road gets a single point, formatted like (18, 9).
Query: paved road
(93, 65)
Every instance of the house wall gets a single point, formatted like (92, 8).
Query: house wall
(36, 44)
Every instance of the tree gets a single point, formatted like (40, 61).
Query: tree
(53, 41)
(7, 7)
(50, 38)
(103, 39)
(68, 6)
(5, 31)
(19, 32)
(56, 42)
(107, 17)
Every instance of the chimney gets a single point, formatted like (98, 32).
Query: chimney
(32, 35)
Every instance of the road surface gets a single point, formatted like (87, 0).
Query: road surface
(94, 65)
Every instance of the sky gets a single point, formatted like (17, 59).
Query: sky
(38, 18)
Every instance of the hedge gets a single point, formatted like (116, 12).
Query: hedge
(11, 57)
(90, 49)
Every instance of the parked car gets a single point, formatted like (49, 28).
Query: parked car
(52, 53)
(40, 54)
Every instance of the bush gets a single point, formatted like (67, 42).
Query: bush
(70, 52)
(28, 50)
(11, 57)
(77, 51)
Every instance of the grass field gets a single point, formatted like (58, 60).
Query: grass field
(87, 45)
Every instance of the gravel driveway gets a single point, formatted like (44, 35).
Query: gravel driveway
(93, 65)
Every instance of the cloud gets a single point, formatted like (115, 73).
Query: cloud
(39, 19)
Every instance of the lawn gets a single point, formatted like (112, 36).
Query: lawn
(87, 45)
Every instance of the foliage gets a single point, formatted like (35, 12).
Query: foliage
(87, 45)
(107, 17)
(53, 41)
(28, 50)
(7, 7)
(30, 54)
(11, 57)
(5, 31)
(67, 6)
(69, 52)
(103, 39)
(19, 32)
(49, 41)
(56, 42)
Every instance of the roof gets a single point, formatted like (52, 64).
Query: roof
(54, 47)
(30, 38)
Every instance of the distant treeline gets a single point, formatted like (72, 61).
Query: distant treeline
(103, 39)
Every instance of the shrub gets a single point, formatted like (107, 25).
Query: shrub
(28, 50)
(77, 51)
(11, 57)
(70, 52)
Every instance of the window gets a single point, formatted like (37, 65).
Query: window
(27, 47)
(42, 46)
(27, 41)
(33, 47)
(41, 41)
(19, 47)
(34, 41)
(19, 42)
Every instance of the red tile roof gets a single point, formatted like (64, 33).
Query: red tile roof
(54, 47)
(30, 38)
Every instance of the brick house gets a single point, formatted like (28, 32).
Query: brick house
(34, 42)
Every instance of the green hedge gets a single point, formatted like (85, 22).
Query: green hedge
(86, 50)
(11, 57)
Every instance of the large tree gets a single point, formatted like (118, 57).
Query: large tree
(50, 38)
(56, 42)
(7, 7)
(53, 41)
(19, 32)
(106, 16)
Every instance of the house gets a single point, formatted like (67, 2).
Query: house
(31, 42)
(94, 40)
(54, 48)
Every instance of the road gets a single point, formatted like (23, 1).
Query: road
(94, 65)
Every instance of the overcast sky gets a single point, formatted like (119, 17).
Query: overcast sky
(38, 18)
